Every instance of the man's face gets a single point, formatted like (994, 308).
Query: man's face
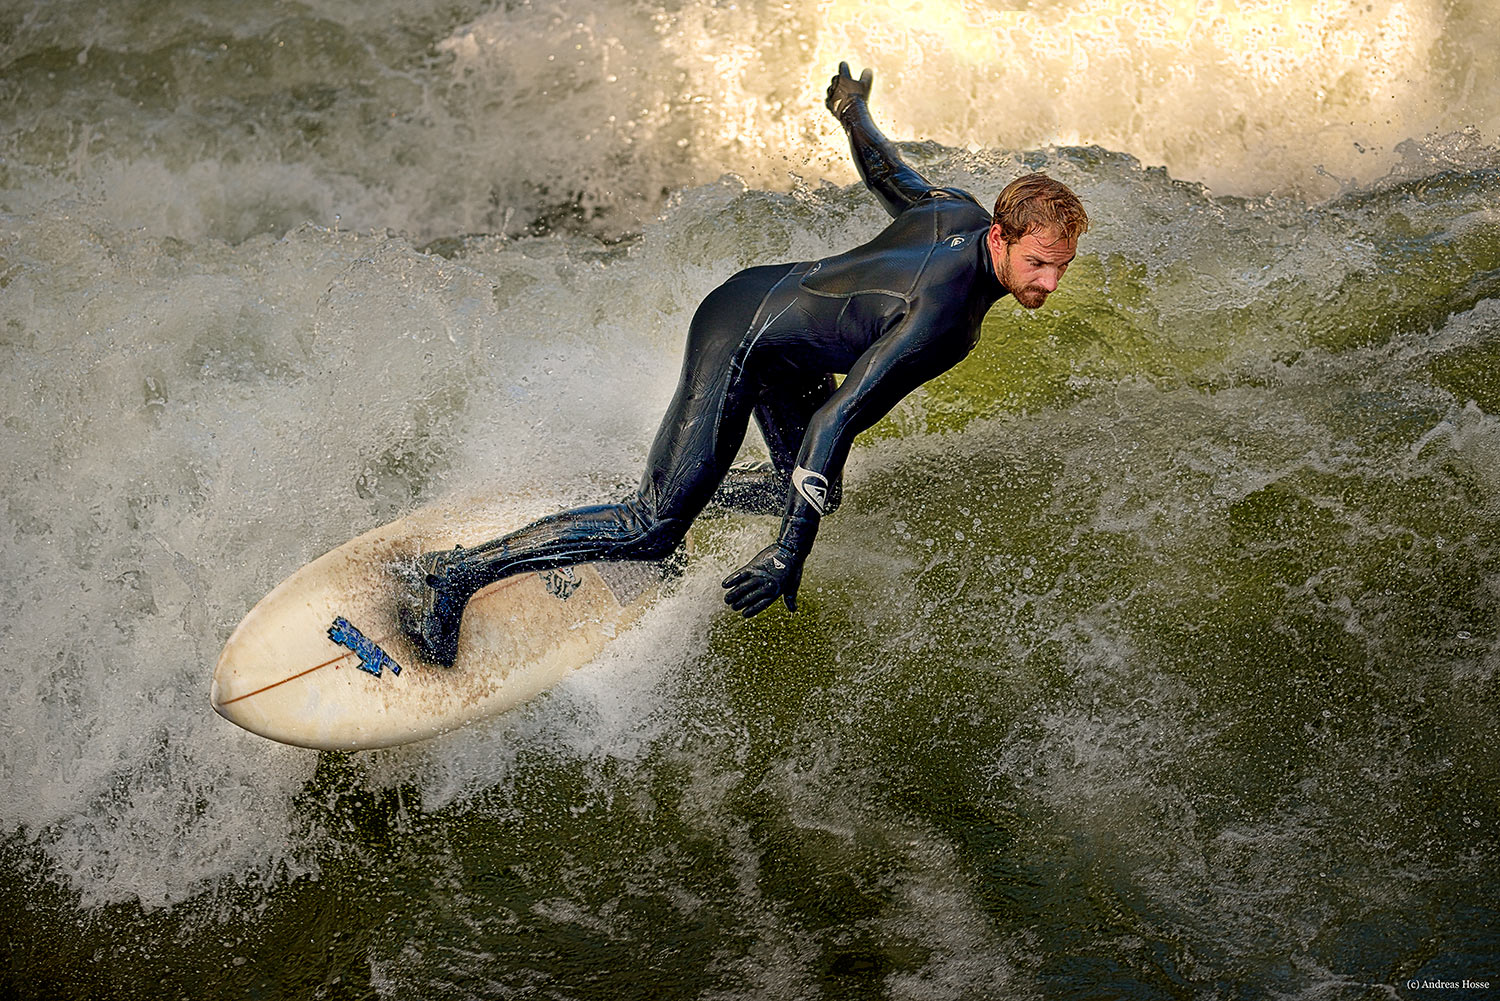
(1032, 266)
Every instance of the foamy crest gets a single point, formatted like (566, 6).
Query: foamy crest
(1249, 98)
(581, 116)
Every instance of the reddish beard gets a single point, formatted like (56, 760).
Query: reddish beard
(1030, 296)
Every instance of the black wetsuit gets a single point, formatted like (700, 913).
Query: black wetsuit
(890, 314)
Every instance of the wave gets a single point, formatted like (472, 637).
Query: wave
(534, 116)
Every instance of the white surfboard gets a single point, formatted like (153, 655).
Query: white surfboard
(321, 662)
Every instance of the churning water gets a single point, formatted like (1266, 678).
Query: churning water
(1153, 653)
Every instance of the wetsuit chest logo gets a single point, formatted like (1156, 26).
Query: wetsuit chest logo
(954, 242)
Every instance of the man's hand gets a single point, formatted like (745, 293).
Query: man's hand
(776, 570)
(844, 89)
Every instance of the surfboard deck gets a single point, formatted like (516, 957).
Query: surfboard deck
(321, 662)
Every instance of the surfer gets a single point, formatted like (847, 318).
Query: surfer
(891, 314)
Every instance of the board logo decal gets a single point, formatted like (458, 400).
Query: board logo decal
(371, 657)
(561, 583)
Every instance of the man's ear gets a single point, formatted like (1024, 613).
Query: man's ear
(996, 243)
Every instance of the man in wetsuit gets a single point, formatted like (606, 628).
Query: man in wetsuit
(891, 314)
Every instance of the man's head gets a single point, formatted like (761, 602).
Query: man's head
(1034, 236)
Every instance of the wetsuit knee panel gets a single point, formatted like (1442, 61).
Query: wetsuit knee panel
(660, 539)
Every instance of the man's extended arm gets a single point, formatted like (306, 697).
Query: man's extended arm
(889, 177)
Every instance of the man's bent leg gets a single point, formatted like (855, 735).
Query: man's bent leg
(697, 441)
(788, 399)
(753, 487)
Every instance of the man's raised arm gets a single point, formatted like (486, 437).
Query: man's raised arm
(891, 180)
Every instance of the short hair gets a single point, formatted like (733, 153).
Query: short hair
(1036, 201)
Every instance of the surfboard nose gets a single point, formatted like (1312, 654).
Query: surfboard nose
(213, 696)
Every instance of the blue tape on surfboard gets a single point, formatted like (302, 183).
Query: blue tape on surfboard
(371, 657)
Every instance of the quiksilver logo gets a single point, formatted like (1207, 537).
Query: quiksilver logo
(954, 242)
(812, 486)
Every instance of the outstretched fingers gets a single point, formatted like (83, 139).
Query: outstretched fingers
(843, 88)
(865, 79)
(750, 593)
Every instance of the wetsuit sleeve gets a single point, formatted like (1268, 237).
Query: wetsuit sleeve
(889, 178)
(895, 365)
